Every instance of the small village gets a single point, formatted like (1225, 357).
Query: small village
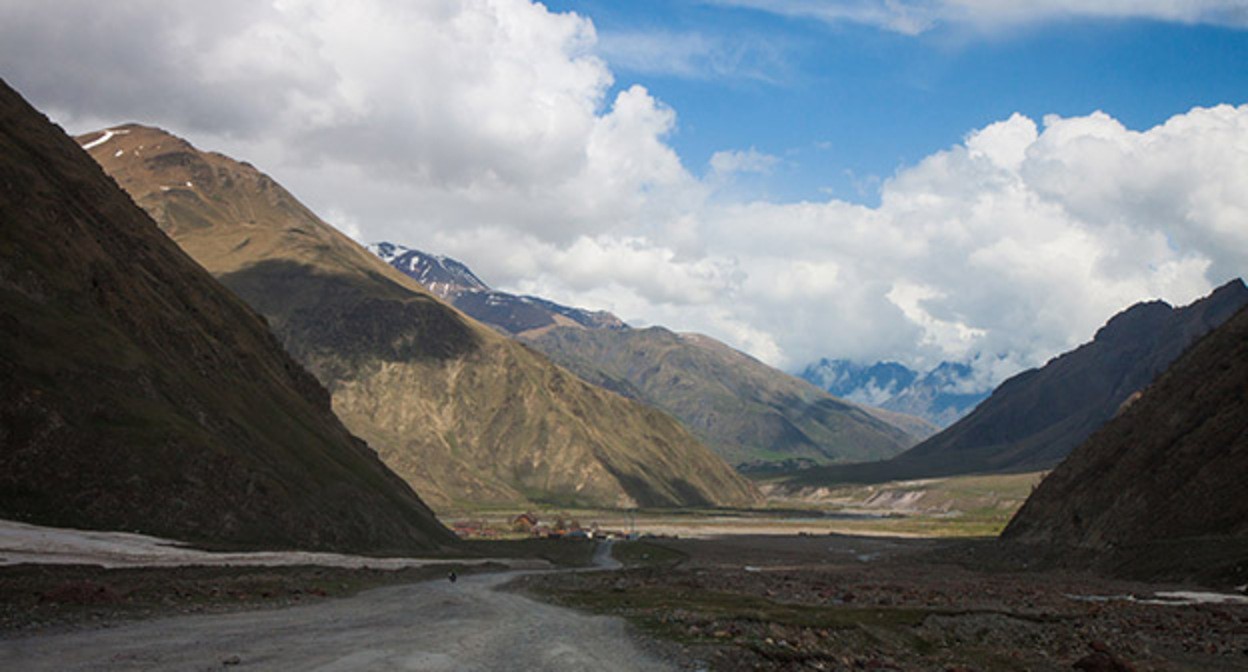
(531, 525)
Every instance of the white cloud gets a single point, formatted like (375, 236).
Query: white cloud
(485, 129)
(729, 162)
(695, 55)
(912, 17)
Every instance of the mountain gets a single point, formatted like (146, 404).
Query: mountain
(511, 314)
(1164, 477)
(749, 413)
(468, 417)
(874, 384)
(137, 393)
(1033, 420)
(941, 396)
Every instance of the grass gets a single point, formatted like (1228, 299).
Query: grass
(645, 554)
(956, 507)
(652, 602)
(558, 552)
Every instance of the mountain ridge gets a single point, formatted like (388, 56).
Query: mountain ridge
(1034, 419)
(1161, 484)
(938, 396)
(515, 315)
(137, 393)
(470, 418)
(749, 413)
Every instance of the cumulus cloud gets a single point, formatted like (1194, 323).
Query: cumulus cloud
(488, 130)
(1016, 243)
(912, 17)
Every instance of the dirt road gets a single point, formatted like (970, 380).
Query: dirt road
(435, 625)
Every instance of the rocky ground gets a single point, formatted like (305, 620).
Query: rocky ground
(432, 626)
(43, 599)
(847, 603)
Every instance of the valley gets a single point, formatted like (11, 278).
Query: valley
(729, 603)
(698, 392)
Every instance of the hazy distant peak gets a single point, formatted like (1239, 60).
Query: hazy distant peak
(940, 396)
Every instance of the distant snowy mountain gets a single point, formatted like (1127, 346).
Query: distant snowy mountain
(872, 385)
(940, 396)
(441, 275)
(453, 281)
(754, 416)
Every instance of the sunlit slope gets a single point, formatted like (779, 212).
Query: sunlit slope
(467, 416)
(745, 410)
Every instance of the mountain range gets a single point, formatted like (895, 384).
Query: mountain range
(1163, 482)
(468, 417)
(452, 281)
(1034, 419)
(941, 396)
(751, 414)
(138, 394)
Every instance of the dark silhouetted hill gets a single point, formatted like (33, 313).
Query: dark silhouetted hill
(137, 393)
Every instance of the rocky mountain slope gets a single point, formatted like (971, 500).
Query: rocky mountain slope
(751, 414)
(467, 416)
(137, 393)
(1171, 466)
(941, 396)
(452, 281)
(1033, 420)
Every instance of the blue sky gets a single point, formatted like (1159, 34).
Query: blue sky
(843, 104)
(862, 179)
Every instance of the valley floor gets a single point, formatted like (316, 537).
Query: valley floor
(738, 602)
(434, 625)
(834, 602)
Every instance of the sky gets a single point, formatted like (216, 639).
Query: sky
(909, 180)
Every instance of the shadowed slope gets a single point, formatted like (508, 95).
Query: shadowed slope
(1171, 466)
(137, 393)
(465, 415)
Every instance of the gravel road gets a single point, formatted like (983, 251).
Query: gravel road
(436, 625)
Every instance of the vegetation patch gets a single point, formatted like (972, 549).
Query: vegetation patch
(645, 554)
(558, 552)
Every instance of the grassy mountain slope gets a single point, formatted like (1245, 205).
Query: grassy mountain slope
(1033, 420)
(137, 393)
(745, 410)
(465, 415)
(748, 412)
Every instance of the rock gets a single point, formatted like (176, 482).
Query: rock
(231, 661)
(1101, 661)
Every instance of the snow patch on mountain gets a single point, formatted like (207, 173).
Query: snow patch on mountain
(453, 281)
(108, 135)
